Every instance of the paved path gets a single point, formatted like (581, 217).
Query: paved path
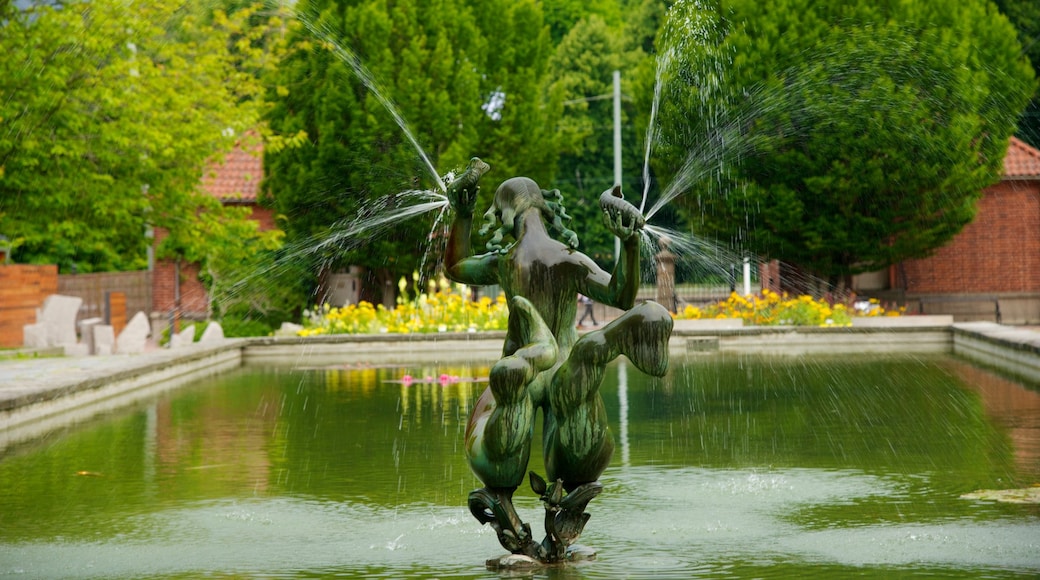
(27, 381)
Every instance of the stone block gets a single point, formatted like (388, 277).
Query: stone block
(59, 314)
(214, 333)
(86, 332)
(35, 335)
(183, 338)
(288, 329)
(132, 339)
(75, 349)
(104, 336)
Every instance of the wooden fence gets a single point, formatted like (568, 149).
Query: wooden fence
(93, 288)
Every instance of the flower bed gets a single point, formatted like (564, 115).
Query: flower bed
(442, 311)
(448, 310)
(772, 309)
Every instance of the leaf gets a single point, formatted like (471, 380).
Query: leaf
(537, 483)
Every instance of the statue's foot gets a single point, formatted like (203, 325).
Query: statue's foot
(642, 335)
(496, 509)
(572, 517)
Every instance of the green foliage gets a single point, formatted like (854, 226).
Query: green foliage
(839, 136)
(582, 72)
(107, 118)
(444, 65)
(1024, 15)
(563, 16)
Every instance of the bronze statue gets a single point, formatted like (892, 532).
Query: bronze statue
(545, 365)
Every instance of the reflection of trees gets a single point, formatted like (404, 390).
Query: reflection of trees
(355, 435)
(205, 446)
(895, 415)
(371, 435)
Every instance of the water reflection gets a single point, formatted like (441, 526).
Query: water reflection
(729, 466)
(1013, 408)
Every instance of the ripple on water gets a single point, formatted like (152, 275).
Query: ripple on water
(650, 522)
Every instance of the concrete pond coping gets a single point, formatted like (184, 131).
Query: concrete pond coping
(37, 395)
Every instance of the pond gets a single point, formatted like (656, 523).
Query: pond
(729, 467)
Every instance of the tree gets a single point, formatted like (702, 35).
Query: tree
(1024, 15)
(582, 72)
(466, 80)
(108, 117)
(841, 137)
(563, 15)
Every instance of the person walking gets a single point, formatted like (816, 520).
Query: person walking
(587, 302)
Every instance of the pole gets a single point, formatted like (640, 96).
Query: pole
(617, 148)
(747, 276)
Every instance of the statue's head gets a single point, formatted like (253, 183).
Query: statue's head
(514, 197)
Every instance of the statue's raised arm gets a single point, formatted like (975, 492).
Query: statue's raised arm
(619, 289)
(460, 264)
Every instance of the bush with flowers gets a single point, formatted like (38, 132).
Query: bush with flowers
(444, 308)
(773, 309)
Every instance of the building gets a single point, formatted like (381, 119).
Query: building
(989, 271)
(176, 289)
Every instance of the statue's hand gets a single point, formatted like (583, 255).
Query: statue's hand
(620, 217)
(462, 191)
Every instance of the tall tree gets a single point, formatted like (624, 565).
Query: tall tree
(582, 71)
(563, 15)
(1024, 15)
(465, 79)
(839, 136)
(108, 117)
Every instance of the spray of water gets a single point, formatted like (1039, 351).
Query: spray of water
(663, 62)
(377, 217)
(347, 57)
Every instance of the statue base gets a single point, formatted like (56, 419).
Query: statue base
(519, 562)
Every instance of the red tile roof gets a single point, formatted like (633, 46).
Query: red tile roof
(237, 179)
(1021, 161)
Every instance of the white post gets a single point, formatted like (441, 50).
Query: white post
(747, 276)
(617, 147)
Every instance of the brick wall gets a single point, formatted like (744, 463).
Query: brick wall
(22, 290)
(264, 215)
(999, 252)
(193, 300)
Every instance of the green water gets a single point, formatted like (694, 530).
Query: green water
(729, 467)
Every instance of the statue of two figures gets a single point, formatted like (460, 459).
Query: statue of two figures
(545, 365)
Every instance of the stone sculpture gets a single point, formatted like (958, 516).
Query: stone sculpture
(546, 366)
(55, 323)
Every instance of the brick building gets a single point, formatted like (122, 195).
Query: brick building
(234, 181)
(991, 270)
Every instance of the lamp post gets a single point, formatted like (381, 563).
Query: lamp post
(616, 96)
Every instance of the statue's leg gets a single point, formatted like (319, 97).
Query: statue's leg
(498, 436)
(642, 334)
(578, 442)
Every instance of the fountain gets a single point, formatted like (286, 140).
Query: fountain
(545, 366)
